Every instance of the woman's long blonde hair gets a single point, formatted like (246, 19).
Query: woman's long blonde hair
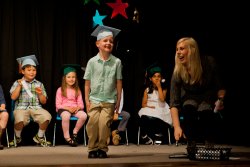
(194, 63)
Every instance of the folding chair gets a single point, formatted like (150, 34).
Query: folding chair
(7, 138)
(72, 118)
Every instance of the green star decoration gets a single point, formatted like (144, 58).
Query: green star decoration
(85, 2)
(97, 19)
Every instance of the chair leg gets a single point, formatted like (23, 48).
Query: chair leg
(84, 135)
(126, 132)
(138, 136)
(15, 139)
(7, 138)
(169, 137)
(46, 144)
(54, 136)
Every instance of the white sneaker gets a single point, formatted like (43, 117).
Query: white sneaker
(158, 139)
(147, 140)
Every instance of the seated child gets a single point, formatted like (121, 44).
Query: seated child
(29, 95)
(155, 115)
(123, 117)
(69, 103)
(4, 116)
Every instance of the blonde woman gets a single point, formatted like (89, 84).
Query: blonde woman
(195, 87)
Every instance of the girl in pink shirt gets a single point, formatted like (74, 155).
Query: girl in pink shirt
(69, 103)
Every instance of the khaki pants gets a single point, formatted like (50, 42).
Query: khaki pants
(98, 126)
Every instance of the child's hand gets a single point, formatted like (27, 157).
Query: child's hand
(219, 105)
(74, 109)
(20, 82)
(38, 90)
(115, 118)
(117, 106)
(71, 110)
(2, 108)
(77, 109)
(87, 107)
(158, 84)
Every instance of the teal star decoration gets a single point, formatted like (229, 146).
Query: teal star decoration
(97, 19)
(87, 1)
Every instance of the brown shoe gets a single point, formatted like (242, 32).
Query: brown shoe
(116, 137)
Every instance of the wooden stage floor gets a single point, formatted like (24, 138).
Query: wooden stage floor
(119, 156)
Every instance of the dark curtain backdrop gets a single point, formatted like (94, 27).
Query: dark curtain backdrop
(58, 32)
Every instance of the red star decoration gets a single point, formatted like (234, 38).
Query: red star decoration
(118, 8)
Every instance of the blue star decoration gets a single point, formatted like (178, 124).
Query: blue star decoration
(97, 19)
(118, 8)
(87, 1)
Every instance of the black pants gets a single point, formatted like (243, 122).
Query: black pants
(152, 125)
(198, 125)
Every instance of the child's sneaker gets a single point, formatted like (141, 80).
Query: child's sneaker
(41, 141)
(147, 140)
(18, 142)
(158, 139)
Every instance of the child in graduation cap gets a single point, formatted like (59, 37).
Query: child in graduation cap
(155, 115)
(29, 95)
(69, 103)
(103, 87)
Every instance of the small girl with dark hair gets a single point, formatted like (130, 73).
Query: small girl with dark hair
(154, 115)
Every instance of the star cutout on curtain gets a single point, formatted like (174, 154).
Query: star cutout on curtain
(97, 19)
(87, 1)
(118, 8)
